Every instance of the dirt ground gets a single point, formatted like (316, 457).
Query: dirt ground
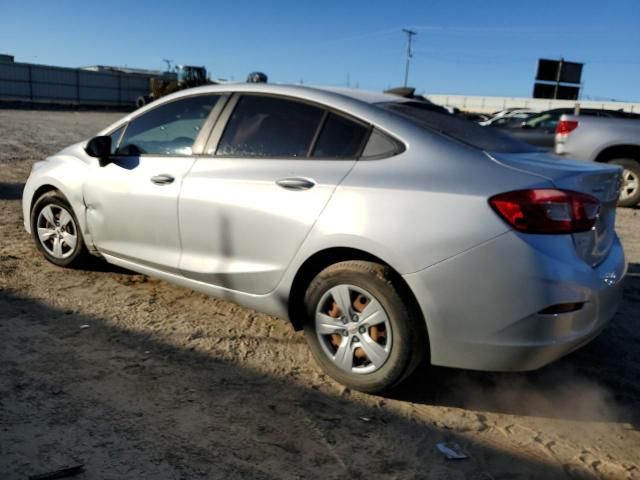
(139, 379)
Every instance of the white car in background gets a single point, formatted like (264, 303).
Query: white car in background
(510, 115)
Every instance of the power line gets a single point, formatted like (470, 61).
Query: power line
(410, 34)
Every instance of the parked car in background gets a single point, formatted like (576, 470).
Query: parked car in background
(540, 129)
(391, 233)
(604, 140)
(510, 117)
(474, 116)
(508, 121)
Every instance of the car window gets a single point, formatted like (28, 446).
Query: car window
(380, 145)
(513, 120)
(460, 129)
(340, 138)
(169, 129)
(502, 121)
(265, 126)
(115, 139)
(544, 120)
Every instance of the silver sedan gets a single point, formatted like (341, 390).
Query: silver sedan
(390, 232)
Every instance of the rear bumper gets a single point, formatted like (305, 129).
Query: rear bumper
(481, 307)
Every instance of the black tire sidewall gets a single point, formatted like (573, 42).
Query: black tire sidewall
(55, 198)
(372, 278)
(634, 166)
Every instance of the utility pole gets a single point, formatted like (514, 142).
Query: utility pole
(410, 34)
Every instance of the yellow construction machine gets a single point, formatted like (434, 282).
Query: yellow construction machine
(183, 76)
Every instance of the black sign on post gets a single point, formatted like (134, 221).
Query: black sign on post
(550, 90)
(547, 70)
(571, 72)
(552, 73)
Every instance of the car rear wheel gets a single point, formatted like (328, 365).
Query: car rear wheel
(360, 329)
(56, 231)
(630, 191)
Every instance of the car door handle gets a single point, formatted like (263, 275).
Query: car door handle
(162, 179)
(296, 183)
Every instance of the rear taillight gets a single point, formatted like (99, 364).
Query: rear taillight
(547, 210)
(565, 127)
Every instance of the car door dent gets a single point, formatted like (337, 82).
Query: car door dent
(130, 216)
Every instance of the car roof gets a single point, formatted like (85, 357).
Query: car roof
(358, 103)
(364, 96)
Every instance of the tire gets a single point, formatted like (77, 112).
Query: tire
(141, 101)
(630, 193)
(56, 232)
(365, 352)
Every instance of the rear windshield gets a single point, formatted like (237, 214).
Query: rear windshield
(458, 128)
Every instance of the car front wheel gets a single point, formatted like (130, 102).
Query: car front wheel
(56, 232)
(361, 329)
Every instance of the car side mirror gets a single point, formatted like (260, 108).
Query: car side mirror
(100, 148)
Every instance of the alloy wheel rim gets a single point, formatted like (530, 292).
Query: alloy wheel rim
(57, 231)
(353, 329)
(630, 184)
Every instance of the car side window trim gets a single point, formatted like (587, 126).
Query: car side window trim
(221, 123)
(219, 128)
(316, 136)
(203, 134)
(209, 124)
(213, 128)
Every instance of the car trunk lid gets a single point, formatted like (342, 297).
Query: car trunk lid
(601, 181)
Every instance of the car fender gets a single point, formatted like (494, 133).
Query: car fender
(65, 173)
(609, 144)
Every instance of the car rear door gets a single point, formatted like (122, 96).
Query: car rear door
(248, 203)
(132, 202)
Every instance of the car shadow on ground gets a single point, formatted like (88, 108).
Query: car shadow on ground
(596, 383)
(79, 389)
(100, 265)
(11, 190)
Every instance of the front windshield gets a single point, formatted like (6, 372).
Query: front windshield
(458, 128)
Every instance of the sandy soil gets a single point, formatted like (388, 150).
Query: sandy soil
(165, 383)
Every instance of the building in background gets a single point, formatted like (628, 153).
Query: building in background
(95, 86)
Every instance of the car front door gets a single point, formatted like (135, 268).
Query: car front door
(247, 205)
(132, 202)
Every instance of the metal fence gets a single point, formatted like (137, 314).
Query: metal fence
(25, 82)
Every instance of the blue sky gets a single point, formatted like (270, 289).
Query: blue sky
(473, 47)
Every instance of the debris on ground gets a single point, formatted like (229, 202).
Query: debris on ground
(451, 450)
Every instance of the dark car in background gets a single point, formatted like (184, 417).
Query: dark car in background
(540, 129)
